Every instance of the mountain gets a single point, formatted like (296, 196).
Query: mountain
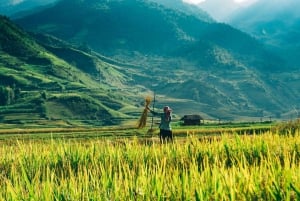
(46, 81)
(222, 11)
(192, 64)
(186, 8)
(219, 11)
(276, 23)
(11, 7)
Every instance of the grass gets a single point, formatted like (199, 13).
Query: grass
(116, 164)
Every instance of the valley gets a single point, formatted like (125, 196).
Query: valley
(98, 68)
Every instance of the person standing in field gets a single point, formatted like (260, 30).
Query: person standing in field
(165, 133)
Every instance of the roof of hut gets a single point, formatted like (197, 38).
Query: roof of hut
(192, 117)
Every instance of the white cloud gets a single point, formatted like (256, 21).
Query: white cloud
(193, 1)
(236, 1)
(240, 1)
(245, 2)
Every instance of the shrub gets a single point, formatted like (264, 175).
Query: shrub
(288, 128)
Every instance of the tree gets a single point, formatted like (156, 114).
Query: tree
(7, 95)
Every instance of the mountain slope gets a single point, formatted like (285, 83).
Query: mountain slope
(219, 70)
(279, 28)
(44, 82)
(119, 24)
(220, 11)
(11, 7)
(186, 8)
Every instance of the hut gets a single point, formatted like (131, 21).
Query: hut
(192, 119)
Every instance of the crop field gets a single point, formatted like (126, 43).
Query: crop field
(202, 163)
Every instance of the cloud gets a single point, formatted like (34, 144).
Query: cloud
(220, 10)
(193, 1)
(245, 2)
(236, 1)
(240, 1)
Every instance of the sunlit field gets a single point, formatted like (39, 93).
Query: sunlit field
(228, 166)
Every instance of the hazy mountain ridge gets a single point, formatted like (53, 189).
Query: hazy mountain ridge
(188, 9)
(279, 28)
(113, 28)
(218, 10)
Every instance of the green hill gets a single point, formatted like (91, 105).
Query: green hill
(55, 83)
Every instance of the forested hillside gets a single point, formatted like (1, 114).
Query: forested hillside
(44, 79)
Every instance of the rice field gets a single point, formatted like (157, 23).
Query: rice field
(224, 167)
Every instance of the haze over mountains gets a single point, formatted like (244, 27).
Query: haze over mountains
(193, 63)
(276, 23)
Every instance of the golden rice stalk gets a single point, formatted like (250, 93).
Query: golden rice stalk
(143, 119)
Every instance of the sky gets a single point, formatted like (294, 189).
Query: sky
(221, 10)
(188, 1)
(236, 1)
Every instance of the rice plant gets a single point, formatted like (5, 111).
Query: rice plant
(230, 167)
